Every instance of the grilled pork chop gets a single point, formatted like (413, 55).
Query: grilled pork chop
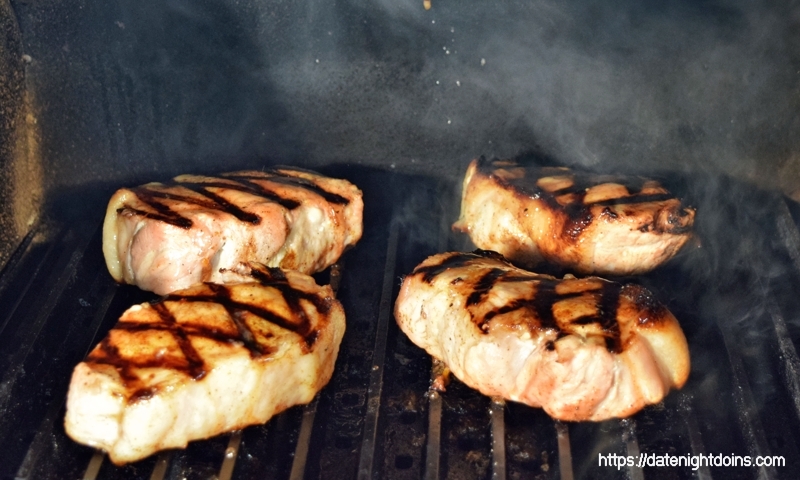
(205, 360)
(608, 225)
(582, 349)
(165, 237)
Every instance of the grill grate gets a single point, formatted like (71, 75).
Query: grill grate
(377, 417)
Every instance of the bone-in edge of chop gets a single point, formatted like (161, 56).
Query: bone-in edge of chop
(203, 361)
(582, 349)
(591, 224)
(166, 237)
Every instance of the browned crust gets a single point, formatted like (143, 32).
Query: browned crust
(556, 219)
(627, 318)
(163, 334)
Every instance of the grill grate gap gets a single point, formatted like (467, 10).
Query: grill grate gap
(45, 431)
(628, 427)
(10, 305)
(53, 259)
(367, 456)
(695, 439)
(746, 407)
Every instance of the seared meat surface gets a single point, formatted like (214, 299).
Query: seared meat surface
(165, 237)
(205, 360)
(590, 224)
(582, 349)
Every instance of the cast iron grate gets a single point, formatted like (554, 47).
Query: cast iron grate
(377, 418)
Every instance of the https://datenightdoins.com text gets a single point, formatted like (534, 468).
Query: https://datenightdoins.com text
(694, 462)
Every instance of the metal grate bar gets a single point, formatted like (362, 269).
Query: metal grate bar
(791, 361)
(746, 406)
(161, 466)
(14, 263)
(695, 439)
(32, 329)
(631, 446)
(433, 448)
(564, 451)
(303, 441)
(94, 465)
(310, 410)
(367, 456)
(497, 411)
(45, 431)
(229, 460)
(789, 233)
(9, 313)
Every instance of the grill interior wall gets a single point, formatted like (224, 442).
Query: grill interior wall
(58, 300)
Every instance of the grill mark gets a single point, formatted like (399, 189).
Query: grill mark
(609, 304)
(277, 176)
(213, 201)
(651, 311)
(543, 300)
(222, 204)
(246, 335)
(483, 286)
(193, 364)
(578, 213)
(170, 218)
(222, 297)
(274, 277)
(429, 272)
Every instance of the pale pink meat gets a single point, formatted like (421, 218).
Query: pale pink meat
(582, 349)
(205, 360)
(164, 237)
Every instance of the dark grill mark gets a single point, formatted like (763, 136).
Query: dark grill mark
(213, 201)
(192, 364)
(578, 213)
(484, 285)
(277, 176)
(429, 272)
(608, 306)
(195, 366)
(544, 297)
(171, 217)
(651, 311)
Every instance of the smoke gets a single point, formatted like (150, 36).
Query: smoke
(624, 86)
(166, 87)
